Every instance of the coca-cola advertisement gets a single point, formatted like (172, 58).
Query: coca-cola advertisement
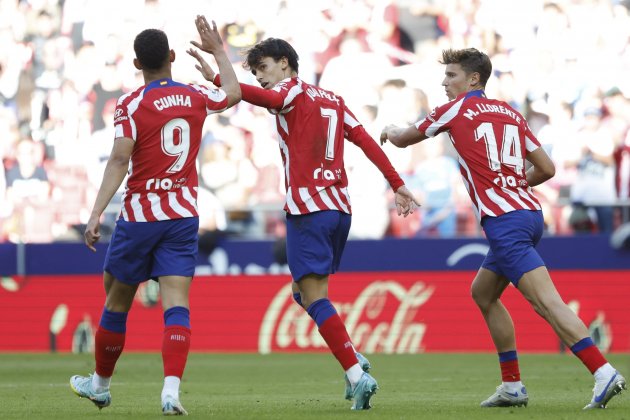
(384, 312)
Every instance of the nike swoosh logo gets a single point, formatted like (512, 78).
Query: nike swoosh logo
(601, 396)
(512, 394)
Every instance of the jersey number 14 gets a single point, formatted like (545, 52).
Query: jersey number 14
(511, 154)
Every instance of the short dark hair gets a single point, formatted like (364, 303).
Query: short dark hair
(271, 47)
(151, 47)
(471, 60)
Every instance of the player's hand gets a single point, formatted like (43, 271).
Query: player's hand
(211, 41)
(405, 201)
(203, 66)
(92, 232)
(385, 134)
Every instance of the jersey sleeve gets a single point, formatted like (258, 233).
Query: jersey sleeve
(355, 133)
(270, 99)
(439, 120)
(124, 126)
(531, 142)
(288, 91)
(216, 99)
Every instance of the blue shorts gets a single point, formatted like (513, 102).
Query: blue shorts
(512, 237)
(315, 242)
(139, 251)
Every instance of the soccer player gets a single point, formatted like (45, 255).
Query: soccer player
(158, 135)
(493, 141)
(312, 124)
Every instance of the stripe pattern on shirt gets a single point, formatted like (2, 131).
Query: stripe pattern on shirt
(488, 198)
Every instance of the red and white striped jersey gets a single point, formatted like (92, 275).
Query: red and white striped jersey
(491, 140)
(165, 119)
(312, 124)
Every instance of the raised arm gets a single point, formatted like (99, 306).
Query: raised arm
(212, 43)
(401, 137)
(254, 95)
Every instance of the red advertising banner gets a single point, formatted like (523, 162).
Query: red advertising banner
(384, 312)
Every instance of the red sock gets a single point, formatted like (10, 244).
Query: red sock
(334, 333)
(592, 358)
(510, 371)
(175, 347)
(107, 348)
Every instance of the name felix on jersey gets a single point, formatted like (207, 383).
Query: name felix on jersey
(320, 93)
(483, 108)
(172, 100)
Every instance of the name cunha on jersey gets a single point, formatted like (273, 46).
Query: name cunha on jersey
(172, 100)
(483, 108)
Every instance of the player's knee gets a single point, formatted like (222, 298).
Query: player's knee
(482, 299)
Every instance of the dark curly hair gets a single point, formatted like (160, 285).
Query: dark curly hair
(471, 60)
(271, 47)
(151, 47)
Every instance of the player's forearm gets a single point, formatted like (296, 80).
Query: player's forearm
(542, 167)
(376, 155)
(228, 82)
(113, 176)
(535, 176)
(394, 135)
(402, 137)
(261, 97)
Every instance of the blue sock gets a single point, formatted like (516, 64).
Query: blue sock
(177, 315)
(582, 344)
(321, 310)
(114, 321)
(507, 356)
(298, 298)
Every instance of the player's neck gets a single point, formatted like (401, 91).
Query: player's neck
(289, 74)
(152, 76)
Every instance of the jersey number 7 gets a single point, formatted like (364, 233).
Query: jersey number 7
(331, 116)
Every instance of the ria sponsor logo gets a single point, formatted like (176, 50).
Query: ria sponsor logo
(327, 174)
(511, 181)
(164, 184)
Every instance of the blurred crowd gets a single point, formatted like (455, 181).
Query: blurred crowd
(563, 64)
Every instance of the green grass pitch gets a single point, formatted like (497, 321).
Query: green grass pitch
(304, 386)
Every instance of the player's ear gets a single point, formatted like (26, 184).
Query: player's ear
(284, 63)
(136, 64)
(474, 79)
(171, 56)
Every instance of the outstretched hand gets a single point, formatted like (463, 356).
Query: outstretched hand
(211, 41)
(405, 201)
(385, 134)
(203, 66)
